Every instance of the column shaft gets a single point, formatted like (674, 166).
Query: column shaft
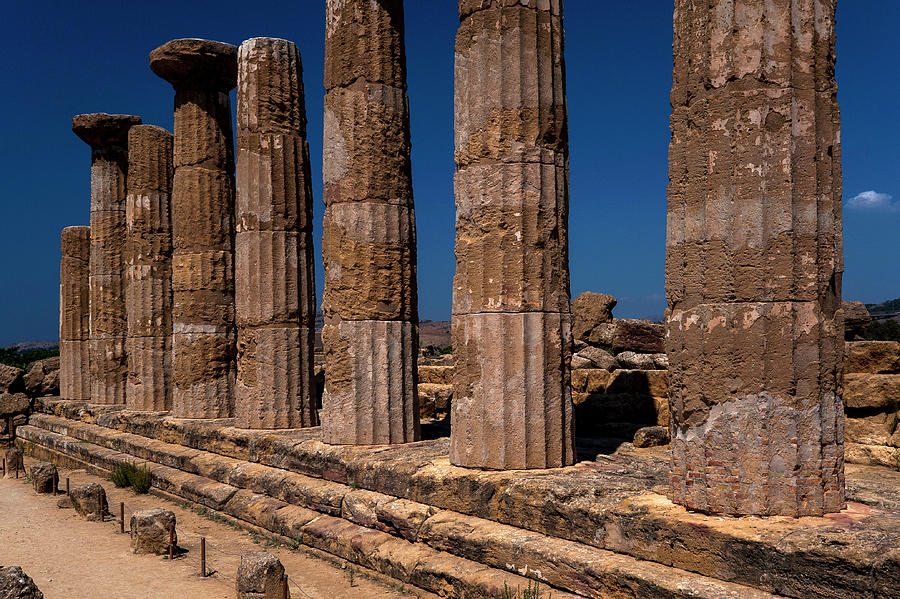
(274, 270)
(148, 264)
(512, 405)
(371, 319)
(74, 314)
(754, 259)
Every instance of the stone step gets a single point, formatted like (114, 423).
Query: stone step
(616, 503)
(288, 503)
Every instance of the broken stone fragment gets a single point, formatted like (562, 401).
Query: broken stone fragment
(14, 459)
(150, 531)
(11, 379)
(872, 391)
(651, 436)
(44, 477)
(14, 403)
(15, 584)
(872, 357)
(590, 310)
(260, 576)
(594, 357)
(635, 361)
(856, 318)
(89, 501)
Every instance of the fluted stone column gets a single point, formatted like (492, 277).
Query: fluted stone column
(754, 259)
(108, 137)
(369, 245)
(512, 405)
(148, 269)
(275, 291)
(74, 314)
(203, 336)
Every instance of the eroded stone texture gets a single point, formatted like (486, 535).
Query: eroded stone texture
(202, 72)
(108, 137)
(274, 269)
(512, 406)
(754, 260)
(74, 314)
(260, 577)
(369, 243)
(148, 269)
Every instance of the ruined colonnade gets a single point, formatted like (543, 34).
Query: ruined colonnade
(753, 265)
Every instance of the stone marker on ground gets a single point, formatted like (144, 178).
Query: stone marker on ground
(107, 135)
(512, 405)
(148, 269)
(274, 263)
(203, 342)
(15, 584)
(74, 314)
(754, 260)
(43, 477)
(90, 501)
(260, 577)
(369, 242)
(150, 531)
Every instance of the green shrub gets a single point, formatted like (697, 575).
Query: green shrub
(127, 474)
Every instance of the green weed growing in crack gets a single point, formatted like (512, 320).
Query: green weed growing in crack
(532, 591)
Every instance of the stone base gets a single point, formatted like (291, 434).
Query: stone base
(601, 528)
(370, 383)
(149, 374)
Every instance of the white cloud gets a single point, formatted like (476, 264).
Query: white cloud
(873, 200)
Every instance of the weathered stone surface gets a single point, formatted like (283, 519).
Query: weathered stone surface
(11, 379)
(260, 577)
(148, 269)
(635, 361)
(512, 404)
(651, 436)
(873, 426)
(370, 262)
(15, 584)
(274, 267)
(594, 357)
(856, 318)
(369, 242)
(872, 357)
(39, 379)
(202, 72)
(590, 310)
(74, 313)
(14, 403)
(108, 137)
(754, 257)
(13, 457)
(437, 375)
(370, 382)
(43, 477)
(511, 238)
(871, 390)
(90, 501)
(150, 530)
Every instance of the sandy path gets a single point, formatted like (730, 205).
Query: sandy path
(71, 558)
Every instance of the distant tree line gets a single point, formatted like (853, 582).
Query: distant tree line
(11, 356)
(882, 330)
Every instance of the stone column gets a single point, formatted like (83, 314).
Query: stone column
(754, 259)
(148, 269)
(512, 405)
(203, 337)
(108, 137)
(275, 293)
(369, 246)
(74, 314)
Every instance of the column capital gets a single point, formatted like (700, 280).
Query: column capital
(187, 63)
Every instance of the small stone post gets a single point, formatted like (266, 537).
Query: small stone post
(107, 135)
(369, 244)
(74, 314)
(203, 337)
(512, 405)
(148, 269)
(275, 292)
(754, 260)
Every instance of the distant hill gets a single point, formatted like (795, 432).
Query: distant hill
(885, 310)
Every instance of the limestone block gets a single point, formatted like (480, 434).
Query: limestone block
(510, 84)
(202, 210)
(438, 375)
(651, 436)
(15, 584)
(260, 577)
(109, 370)
(273, 183)
(872, 357)
(13, 457)
(43, 477)
(856, 316)
(367, 145)
(636, 361)
(512, 405)
(364, 40)
(74, 286)
(149, 373)
(873, 427)
(871, 390)
(270, 95)
(370, 386)
(440, 394)
(370, 262)
(90, 501)
(511, 238)
(594, 357)
(275, 385)
(108, 307)
(11, 379)
(203, 371)
(150, 531)
(75, 369)
(589, 310)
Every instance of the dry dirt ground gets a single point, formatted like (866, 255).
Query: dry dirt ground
(71, 558)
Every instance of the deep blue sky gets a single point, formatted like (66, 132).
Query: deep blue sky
(62, 59)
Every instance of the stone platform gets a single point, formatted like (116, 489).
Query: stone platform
(600, 528)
